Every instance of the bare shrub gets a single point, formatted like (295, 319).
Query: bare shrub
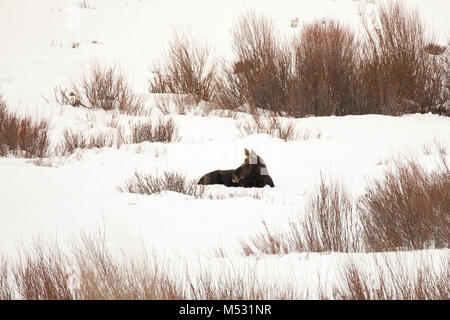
(330, 224)
(148, 184)
(103, 88)
(188, 68)
(73, 140)
(325, 70)
(396, 68)
(141, 132)
(260, 74)
(400, 74)
(164, 131)
(22, 136)
(408, 209)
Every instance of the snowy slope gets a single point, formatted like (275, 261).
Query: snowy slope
(80, 192)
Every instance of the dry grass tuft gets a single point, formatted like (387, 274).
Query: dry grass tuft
(148, 184)
(164, 131)
(73, 140)
(285, 129)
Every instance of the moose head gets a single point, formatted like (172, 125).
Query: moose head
(250, 171)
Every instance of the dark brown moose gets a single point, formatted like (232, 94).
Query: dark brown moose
(252, 173)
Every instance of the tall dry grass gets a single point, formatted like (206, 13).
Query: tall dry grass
(89, 269)
(391, 280)
(6, 292)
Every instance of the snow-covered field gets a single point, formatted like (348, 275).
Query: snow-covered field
(79, 193)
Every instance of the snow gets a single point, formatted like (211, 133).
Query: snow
(79, 192)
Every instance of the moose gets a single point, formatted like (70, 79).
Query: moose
(251, 174)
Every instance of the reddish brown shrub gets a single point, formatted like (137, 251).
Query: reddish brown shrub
(325, 70)
(400, 74)
(408, 209)
(22, 136)
(395, 69)
(260, 75)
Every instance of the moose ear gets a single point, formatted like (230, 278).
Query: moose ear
(253, 157)
(247, 155)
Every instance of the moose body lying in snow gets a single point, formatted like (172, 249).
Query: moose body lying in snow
(252, 173)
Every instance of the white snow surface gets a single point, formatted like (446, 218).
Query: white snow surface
(79, 193)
